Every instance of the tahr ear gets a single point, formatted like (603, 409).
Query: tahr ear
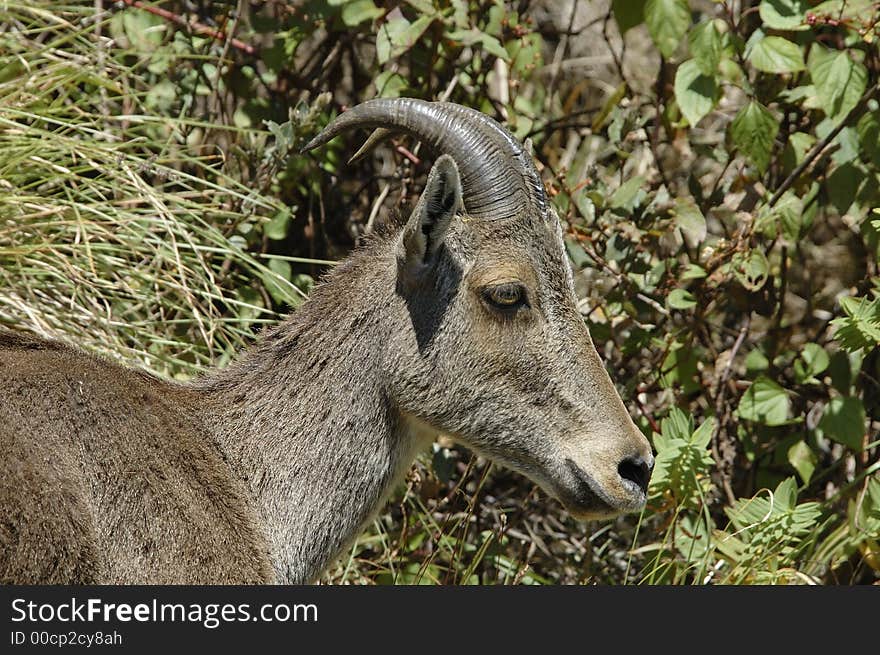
(441, 200)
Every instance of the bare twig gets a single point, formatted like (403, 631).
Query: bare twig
(559, 55)
(618, 61)
(195, 26)
(100, 61)
(648, 416)
(621, 279)
(783, 287)
(223, 55)
(377, 205)
(854, 114)
(721, 415)
(654, 138)
(564, 122)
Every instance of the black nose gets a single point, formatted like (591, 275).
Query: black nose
(637, 470)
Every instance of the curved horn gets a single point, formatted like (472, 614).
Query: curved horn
(498, 176)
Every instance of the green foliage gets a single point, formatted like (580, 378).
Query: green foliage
(774, 54)
(839, 81)
(784, 14)
(752, 131)
(668, 21)
(844, 421)
(860, 327)
(769, 533)
(717, 173)
(706, 47)
(765, 402)
(695, 91)
(683, 463)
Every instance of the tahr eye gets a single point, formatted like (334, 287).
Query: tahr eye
(508, 296)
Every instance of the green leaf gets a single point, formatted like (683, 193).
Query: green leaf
(774, 54)
(785, 494)
(278, 226)
(751, 269)
(577, 254)
(677, 425)
(692, 272)
(618, 248)
(787, 216)
(796, 148)
(161, 96)
(390, 84)
(627, 13)
(845, 9)
(145, 31)
(473, 36)
(784, 14)
(695, 92)
(790, 211)
(281, 267)
(680, 367)
(765, 402)
(812, 361)
(703, 434)
(803, 460)
(693, 538)
(705, 45)
(681, 299)
(397, 35)
(842, 185)
(752, 131)
(844, 421)
(249, 304)
(860, 328)
(629, 194)
(278, 285)
(359, 11)
(668, 21)
(584, 204)
(840, 372)
(839, 80)
(756, 362)
(772, 523)
(683, 461)
(690, 221)
(846, 143)
(868, 130)
(10, 70)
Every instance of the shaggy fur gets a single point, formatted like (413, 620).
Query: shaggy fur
(267, 470)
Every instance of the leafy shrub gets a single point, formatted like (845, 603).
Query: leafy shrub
(716, 166)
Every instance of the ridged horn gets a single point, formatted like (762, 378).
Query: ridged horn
(498, 176)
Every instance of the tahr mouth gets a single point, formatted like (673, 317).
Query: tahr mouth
(586, 498)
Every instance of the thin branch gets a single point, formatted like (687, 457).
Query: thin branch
(783, 288)
(559, 55)
(654, 138)
(195, 26)
(618, 61)
(854, 114)
(651, 421)
(720, 419)
(564, 122)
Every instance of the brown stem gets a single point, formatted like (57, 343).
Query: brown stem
(854, 113)
(618, 63)
(721, 415)
(648, 416)
(198, 28)
(659, 103)
(783, 287)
